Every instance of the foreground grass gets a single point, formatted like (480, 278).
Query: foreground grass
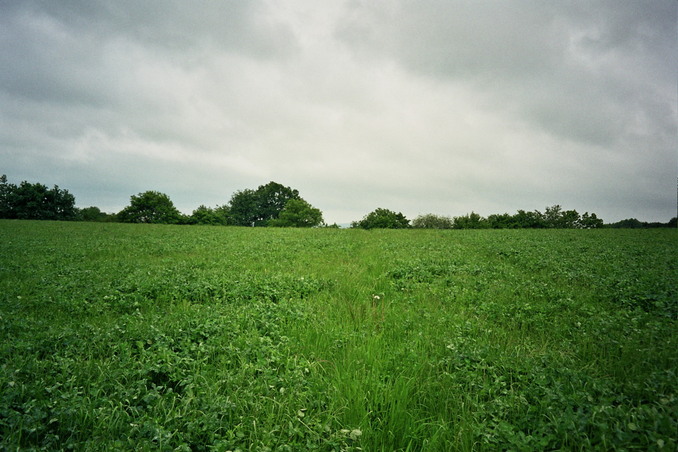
(144, 337)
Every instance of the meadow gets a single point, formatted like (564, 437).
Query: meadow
(177, 338)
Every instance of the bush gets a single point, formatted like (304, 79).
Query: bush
(431, 221)
(382, 219)
(150, 207)
(298, 213)
(209, 216)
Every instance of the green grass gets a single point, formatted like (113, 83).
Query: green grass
(141, 337)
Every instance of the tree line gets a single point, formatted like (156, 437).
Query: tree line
(552, 217)
(274, 205)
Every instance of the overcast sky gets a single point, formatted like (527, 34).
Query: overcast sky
(427, 106)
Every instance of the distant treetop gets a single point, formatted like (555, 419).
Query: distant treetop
(382, 219)
(274, 204)
(553, 217)
(150, 207)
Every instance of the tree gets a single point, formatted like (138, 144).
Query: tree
(35, 202)
(243, 208)
(6, 192)
(150, 207)
(207, 215)
(524, 219)
(569, 219)
(92, 214)
(258, 207)
(629, 223)
(470, 221)
(633, 223)
(382, 219)
(501, 221)
(431, 221)
(272, 199)
(298, 213)
(590, 221)
(556, 217)
(551, 216)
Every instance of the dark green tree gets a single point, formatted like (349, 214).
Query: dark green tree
(590, 221)
(92, 214)
(258, 207)
(551, 216)
(209, 216)
(633, 223)
(431, 221)
(524, 219)
(35, 202)
(470, 221)
(243, 208)
(150, 207)
(501, 221)
(555, 217)
(382, 219)
(569, 219)
(298, 213)
(6, 192)
(272, 199)
(629, 223)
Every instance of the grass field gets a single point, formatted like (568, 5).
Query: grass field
(118, 336)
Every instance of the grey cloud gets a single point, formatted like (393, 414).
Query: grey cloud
(563, 63)
(427, 106)
(455, 39)
(174, 24)
(500, 40)
(60, 51)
